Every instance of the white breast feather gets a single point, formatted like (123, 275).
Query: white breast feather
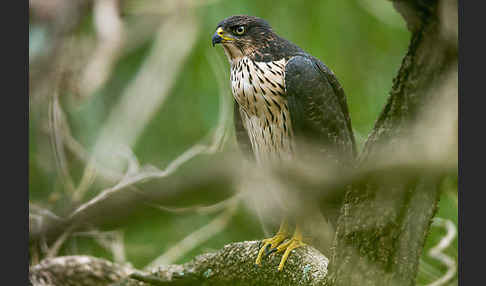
(259, 89)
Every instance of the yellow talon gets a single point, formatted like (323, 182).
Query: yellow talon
(276, 244)
(288, 246)
(273, 242)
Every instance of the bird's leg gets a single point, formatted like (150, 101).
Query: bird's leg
(273, 242)
(288, 246)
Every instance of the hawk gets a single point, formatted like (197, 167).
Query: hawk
(285, 99)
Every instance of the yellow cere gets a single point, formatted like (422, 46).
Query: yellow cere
(220, 33)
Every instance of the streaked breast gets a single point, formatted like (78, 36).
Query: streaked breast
(259, 89)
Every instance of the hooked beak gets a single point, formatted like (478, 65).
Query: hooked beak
(220, 37)
(216, 39)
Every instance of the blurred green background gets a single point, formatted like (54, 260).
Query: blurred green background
(361, 41)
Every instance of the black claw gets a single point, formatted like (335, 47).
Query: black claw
(266, 248)
(268, 252)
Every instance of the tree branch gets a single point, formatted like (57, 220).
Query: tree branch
(129, 199)
(232, 265)
(76, 271)
(384, 222)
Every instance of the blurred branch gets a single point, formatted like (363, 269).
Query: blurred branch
(232, 265)
(110, 33)
(56, 120)
(220, 174)
(124, 198)
(153, 83)
(199, 209)
(163, 7)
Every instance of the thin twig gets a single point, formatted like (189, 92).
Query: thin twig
(110, 240)
(219, 206)
(437, 251)
(59, 242)
(153, 173)
(36, 210)
(194, 239)
(55, 131)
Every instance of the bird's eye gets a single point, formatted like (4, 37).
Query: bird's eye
(240, 30)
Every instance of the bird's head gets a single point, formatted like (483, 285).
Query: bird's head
(244, 35)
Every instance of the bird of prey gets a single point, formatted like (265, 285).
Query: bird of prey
(284, 99)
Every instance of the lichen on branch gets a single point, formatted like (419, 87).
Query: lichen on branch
(232, 265)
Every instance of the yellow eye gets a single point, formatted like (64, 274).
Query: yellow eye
(240, 30)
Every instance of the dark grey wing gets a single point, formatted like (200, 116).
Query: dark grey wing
(339, 91)
(241, 133)
(318, 108)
